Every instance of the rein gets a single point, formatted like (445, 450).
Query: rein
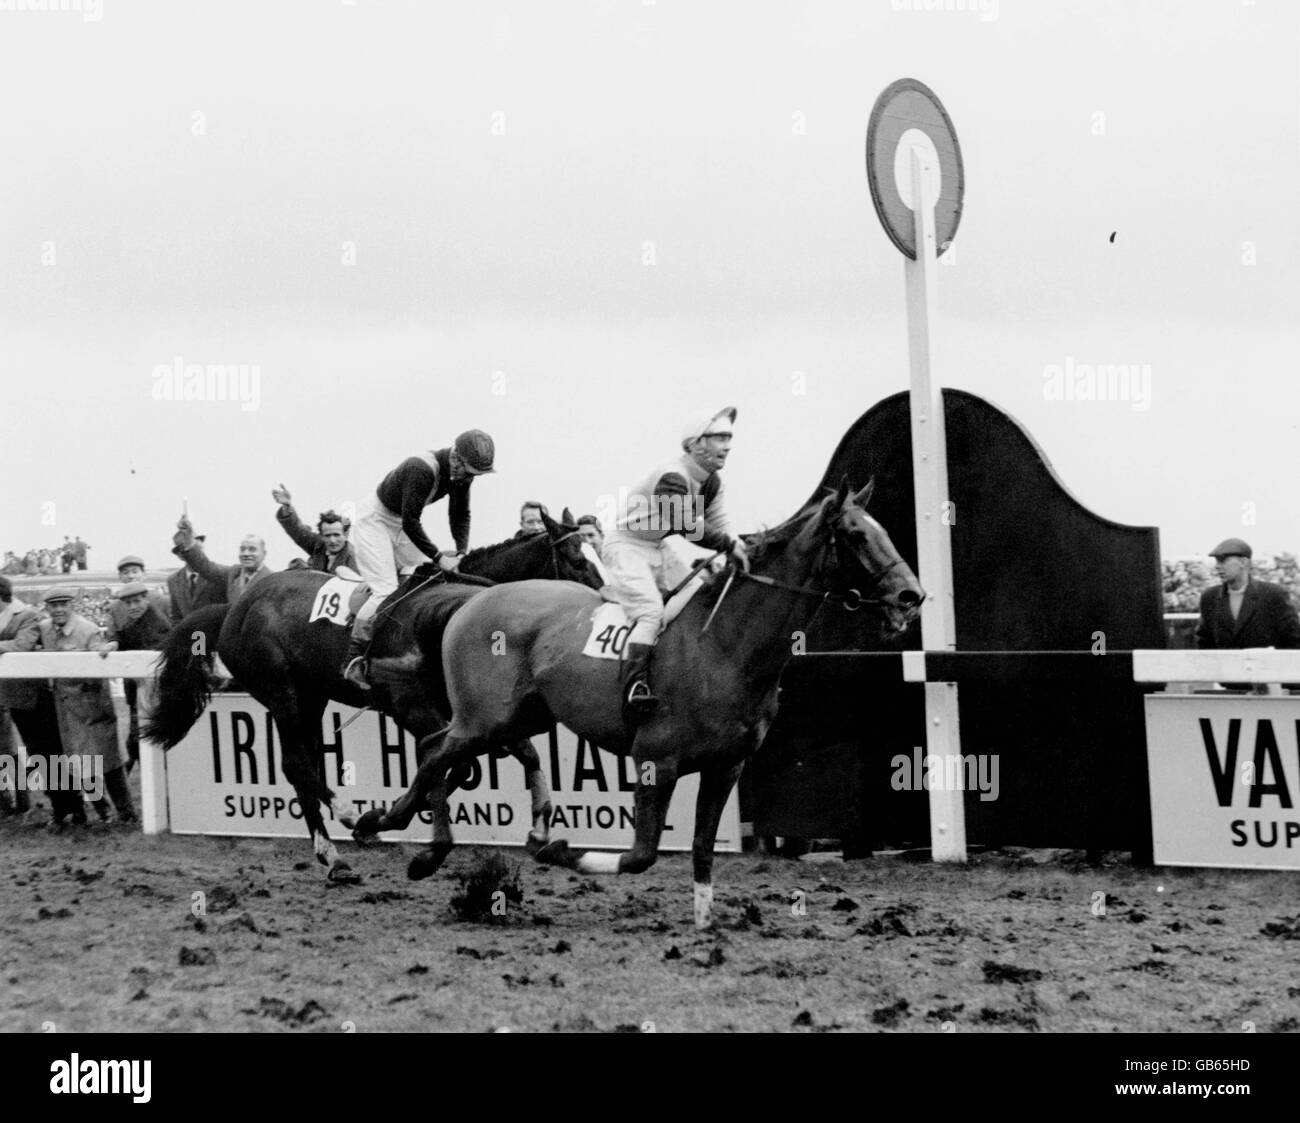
(851, 600)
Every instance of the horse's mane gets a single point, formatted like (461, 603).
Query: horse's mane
(765, 543)
(485, 552)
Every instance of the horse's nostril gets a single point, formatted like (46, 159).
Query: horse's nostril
(909, 599)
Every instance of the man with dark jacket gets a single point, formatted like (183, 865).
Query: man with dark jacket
(327, 547)
(30, 702)
(1243, 612)
(143, 628)
(188, 592)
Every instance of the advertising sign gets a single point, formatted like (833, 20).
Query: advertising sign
(226, 778)
(1225, 777)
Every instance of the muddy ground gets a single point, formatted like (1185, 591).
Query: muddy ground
(98, 932)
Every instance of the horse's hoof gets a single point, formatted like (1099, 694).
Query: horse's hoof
(362, 838)
(368, 824)
(424, 864)
(556, 853)
(340, 873)
(533, 845)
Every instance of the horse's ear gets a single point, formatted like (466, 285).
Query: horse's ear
(566, 517)
(843, 492)
(863, 497)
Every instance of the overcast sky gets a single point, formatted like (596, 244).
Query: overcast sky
(573, 224)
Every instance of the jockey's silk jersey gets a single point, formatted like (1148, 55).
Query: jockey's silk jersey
(678, 497)
(415, 483)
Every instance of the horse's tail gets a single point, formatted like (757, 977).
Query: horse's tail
(185, 682)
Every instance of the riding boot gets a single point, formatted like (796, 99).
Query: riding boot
(355, 664)
(638, 700)
(120, 794)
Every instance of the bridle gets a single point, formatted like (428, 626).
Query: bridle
(555, 554)
(851, 600)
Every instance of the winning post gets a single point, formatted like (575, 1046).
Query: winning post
(915, 173)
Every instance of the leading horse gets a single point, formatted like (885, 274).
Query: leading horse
(513, 661)
(293, 665)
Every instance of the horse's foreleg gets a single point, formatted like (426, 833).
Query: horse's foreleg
(439, 764)
(540, 790)
(715, 787)
(399, 816)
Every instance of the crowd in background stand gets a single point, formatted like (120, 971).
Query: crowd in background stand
(43, 562)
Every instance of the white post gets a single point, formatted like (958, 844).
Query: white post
(933, 518)
(153, 789)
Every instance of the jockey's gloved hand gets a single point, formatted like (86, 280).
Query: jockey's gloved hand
(449, 562)
(281, 495)
(741, 554)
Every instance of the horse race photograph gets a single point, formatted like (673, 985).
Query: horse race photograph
(625, 516)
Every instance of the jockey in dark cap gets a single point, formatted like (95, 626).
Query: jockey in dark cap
(389, 537)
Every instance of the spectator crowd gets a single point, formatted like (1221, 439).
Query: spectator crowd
(46, 561)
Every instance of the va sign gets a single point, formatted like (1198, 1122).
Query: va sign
(1225, 779)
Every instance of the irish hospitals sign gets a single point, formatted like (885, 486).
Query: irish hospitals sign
(226, 778)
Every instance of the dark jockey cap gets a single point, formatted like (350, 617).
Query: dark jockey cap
(477, 450)
(1231, 547)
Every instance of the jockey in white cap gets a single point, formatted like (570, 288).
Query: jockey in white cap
(681, 496)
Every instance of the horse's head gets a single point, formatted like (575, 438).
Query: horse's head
(571, 562)
(861, 565)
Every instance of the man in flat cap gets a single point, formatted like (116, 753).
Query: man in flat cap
(681, 496)
(130, 570)
(30, 703)
(144, 626)
(1243, 612)
(87, 719)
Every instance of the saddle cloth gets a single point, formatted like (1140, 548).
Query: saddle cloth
(610, 626)
(340, 598)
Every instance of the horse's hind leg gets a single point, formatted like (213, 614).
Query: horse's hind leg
(298, 720)
(540, 790)
(715, 787)
(654, 791)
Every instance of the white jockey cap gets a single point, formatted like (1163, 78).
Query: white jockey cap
(708, 424)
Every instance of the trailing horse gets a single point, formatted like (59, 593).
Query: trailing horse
(293, 665)
(513, 661)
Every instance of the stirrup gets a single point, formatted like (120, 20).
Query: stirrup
(639, 698)
(355, 672)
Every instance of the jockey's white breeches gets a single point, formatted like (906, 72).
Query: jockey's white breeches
(640, 573)
(382, 550)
